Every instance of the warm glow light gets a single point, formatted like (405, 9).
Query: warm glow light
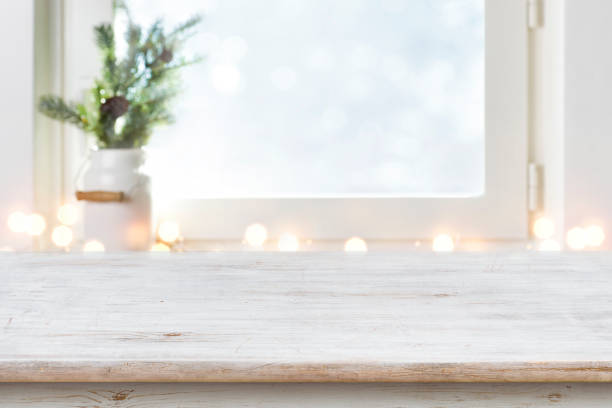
(68, 214)
(549, 245)
(255, 235)
(7, 249)
(595, 236)
(61, 236)
(576, 238)
(168, 231)
(36, 224)
(93, 246)
(443, 243)
(543, 228)
(18, 222)
(355, 244)
(138, 235)
(160, 247)
(288, 243)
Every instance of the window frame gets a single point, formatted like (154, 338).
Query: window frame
(499, 213)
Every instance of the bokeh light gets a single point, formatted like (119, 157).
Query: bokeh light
(543, 228)
(288, 243)
(68, 214)
(36, 224)
(255, 235)
(93, 246)
(168, 231)
(160, 247)
(443, 243)
(62, 236)
(355, 244)
(576, 238)
(17, 222)
(595, 236)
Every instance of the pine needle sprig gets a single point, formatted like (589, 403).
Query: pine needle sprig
(55, 108)
(133, 94)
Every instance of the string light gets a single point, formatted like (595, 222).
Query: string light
(61, 236)
(255, 235)
(68, 214)
(595, 236)
(17, 222)
(355, 244)
(543, 228)
(549, 245)
(93, 246)
(36, 224)
(160, 247)
(168, 231)
(443, 243)
(576, 238)
(288, 243)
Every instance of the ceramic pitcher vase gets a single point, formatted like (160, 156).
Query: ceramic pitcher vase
(117, 196)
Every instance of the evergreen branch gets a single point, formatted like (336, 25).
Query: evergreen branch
(139, 88)
(129, 66)
(184, 27)
(105, 38)
(54, 107)
(120, 5)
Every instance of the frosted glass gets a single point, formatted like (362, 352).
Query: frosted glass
(325, 98)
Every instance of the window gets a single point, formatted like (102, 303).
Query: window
(321, 106)
(338, 118)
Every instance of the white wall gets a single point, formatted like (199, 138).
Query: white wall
(16, 112)
(588, 114)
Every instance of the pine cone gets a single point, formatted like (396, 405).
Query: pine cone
(115, 106)
(166, 55)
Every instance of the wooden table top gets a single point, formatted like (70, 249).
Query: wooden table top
(306, 317)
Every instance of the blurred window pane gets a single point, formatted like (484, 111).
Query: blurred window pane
(325, 98)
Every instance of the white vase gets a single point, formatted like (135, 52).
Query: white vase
(124, 225)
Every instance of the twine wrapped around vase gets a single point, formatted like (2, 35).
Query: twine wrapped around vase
(100, 196)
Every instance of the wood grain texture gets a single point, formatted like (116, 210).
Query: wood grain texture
(188, 395)
(306, 317)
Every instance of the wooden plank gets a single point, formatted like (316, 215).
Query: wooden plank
(306, 317)
(306, 395)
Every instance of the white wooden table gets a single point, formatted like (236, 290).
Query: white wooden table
(306, 330)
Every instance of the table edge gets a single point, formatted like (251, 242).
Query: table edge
(315, 372)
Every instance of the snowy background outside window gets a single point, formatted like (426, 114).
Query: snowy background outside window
(316, 98)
